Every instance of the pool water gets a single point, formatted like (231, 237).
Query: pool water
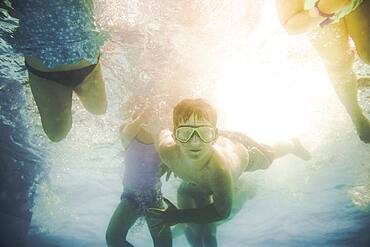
(263, 82)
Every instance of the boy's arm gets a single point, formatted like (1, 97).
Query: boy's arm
(219, 209)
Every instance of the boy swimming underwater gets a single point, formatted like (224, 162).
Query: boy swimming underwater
(210, 165)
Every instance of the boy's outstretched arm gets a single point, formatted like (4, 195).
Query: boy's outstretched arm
(219, 209)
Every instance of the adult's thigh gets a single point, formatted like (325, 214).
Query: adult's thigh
(358, 26)
(332, 44)
(54, 102)
(91, 92)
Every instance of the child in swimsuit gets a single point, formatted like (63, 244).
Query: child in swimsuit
(141, 184)
(61, 45)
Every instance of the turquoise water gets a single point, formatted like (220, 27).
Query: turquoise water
(263, 82)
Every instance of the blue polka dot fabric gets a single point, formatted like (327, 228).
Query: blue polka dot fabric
(58, 31)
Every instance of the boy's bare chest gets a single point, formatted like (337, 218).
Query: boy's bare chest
(192, 174)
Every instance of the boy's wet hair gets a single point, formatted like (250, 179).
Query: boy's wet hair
(201, 109)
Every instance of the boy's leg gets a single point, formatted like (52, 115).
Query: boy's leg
(259, 160)
(185, 199)
(201, 235)
(193, 236)
(294, 146)
(198, 235)
(209, 235)
(240, 137)
(122, 219)
(160, 239)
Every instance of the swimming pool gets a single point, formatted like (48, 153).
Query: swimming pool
(263, 82)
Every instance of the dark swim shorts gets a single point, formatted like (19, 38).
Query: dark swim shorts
(144, 200)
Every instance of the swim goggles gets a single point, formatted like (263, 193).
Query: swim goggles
(206, 133)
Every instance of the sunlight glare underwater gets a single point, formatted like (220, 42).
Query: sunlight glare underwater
(267, 84)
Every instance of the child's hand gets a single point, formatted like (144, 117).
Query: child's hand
(145, 116)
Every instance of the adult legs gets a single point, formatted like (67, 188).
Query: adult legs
(91, 92)
(160, 238)
(332, 44)
(54, 103)
(185, 200)
(358, 26)
(122, 220)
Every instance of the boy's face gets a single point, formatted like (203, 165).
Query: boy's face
(195, 137)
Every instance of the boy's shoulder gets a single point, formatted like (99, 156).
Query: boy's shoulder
(229, 147)
(230, 154)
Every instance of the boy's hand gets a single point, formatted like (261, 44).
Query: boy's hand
(164, 218)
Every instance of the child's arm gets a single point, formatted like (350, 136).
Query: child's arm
(129, 130)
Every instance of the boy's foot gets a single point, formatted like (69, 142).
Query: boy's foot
(299, 150)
